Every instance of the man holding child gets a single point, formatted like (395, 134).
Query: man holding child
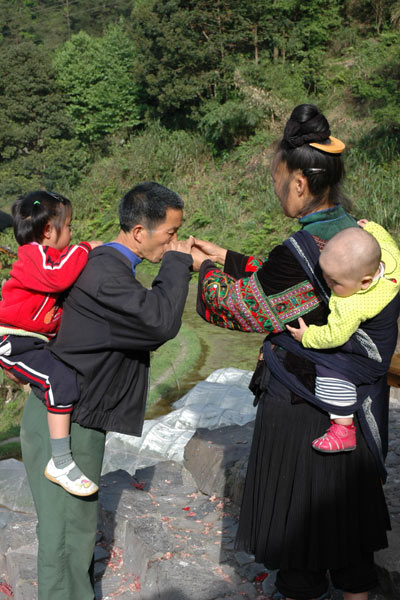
(110, 324)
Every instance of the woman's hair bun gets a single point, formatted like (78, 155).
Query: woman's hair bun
(306, 124)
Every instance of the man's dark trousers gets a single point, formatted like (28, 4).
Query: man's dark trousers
(67, 524)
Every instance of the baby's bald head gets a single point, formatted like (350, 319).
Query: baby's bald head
(353, 254)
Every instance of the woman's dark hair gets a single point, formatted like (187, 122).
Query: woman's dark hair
(147, 204)
(324, 171)
(32, 212)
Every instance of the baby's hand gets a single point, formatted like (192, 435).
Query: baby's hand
(95, 244)
(362, 222)
(298, 333)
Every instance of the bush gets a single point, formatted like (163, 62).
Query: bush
(376, 79)
(226, 125)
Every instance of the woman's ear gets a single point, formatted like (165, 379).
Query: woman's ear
(301, 183)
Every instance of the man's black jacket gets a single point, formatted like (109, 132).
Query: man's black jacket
(109, 325)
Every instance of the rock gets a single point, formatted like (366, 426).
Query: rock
(167, 580)
(168, 531)
(15, 493)
(16, 530)
(217, 460)
(21, 568)
(388, 563)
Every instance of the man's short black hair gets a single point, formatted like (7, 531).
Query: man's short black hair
(147, 204)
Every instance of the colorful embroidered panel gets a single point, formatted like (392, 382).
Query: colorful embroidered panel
(253, 264)
(243, 305)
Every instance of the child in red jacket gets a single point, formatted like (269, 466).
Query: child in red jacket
(30, 314)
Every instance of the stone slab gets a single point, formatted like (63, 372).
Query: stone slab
(15, 493)
(217, 460)
(21, 568)
(388, 563)
(160, 537)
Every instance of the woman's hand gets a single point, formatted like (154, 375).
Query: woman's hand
(298, 332)
(211, 250)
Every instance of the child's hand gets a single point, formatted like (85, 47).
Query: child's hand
(13, 377)
(95, 243)
(362, 222)
(298, 333)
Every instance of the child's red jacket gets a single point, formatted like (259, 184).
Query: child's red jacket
(38, 276)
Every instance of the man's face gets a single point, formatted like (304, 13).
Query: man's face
(155, 241)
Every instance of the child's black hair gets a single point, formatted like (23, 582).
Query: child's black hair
(32, 212)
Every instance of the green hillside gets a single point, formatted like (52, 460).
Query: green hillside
(96, 97)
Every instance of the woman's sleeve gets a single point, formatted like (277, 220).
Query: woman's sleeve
(238, 265)
(264, 301)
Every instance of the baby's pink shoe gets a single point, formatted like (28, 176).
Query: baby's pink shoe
(338, 438)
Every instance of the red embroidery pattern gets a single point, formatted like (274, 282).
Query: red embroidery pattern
(320, 242)
(253, 264)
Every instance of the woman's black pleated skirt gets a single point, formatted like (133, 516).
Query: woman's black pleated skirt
(302, 509)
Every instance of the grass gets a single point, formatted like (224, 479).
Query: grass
(12, 401)
(171, 363)
(10, 450)
(230, 198)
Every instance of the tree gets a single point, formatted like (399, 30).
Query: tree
(31, 105)
(36, 145)
(51, 22)
(184, 55)
(188, 50)
(96, 76)
(376, 81)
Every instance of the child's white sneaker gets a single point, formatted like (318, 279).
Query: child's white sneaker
(83, 486)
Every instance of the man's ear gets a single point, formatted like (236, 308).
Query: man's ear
(366, 282)
(137, 232)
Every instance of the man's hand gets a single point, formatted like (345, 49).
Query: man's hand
(297, 333)
(181, 245)
(213, 252)
(95, 243)
(198, 258)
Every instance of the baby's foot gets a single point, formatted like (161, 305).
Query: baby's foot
(338, 438)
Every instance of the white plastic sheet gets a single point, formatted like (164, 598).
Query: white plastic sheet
(222, 399)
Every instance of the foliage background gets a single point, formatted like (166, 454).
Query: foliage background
(98, 96)
(95, 97)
